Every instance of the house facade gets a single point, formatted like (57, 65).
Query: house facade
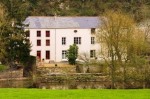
(50, 37)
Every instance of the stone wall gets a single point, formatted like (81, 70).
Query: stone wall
(46, 78)
(88, 69)
(75, 85)
(15, 83)
(79, 77)
(11, 74)
(55, 70)
(67, 78)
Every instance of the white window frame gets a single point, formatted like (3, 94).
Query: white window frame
(63, 40)
(92, 53)
(77, 40)
(92, 40)
(64, 53)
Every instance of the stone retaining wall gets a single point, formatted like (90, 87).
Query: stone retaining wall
(15, 83)
(73, 81)
(55, 70)
(78, 77)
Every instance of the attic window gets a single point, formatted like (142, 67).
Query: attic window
(92, 30)
(75, 31)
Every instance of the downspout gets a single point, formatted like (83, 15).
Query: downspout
(55, 45)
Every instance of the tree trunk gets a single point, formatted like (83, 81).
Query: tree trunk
(112, 70)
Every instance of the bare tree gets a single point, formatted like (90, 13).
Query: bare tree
(145, 26)
(120, 40)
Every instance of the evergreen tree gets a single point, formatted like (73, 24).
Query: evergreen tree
(14, 44)
(72, 54)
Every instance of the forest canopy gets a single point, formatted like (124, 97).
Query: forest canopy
(20, 9)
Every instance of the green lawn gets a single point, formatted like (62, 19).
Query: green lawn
(74, 94)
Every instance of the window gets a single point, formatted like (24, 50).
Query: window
(47, 33)
(39, 54)
(93, 30)
(63, 40)
(28, 33)
(38, 33)
(92, 40)
(92, 53)
(38, 42)
(77, 40)
(47, 42)
(47, 54)
(64, 52)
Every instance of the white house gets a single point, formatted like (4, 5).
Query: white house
(51, 37)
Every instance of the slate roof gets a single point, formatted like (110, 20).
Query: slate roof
(41, 22)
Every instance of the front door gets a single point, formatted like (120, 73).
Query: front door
(39, 55)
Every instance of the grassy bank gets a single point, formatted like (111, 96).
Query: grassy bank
(2, 67)
(73, 94)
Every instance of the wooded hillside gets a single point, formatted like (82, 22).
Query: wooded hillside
(20, 9)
